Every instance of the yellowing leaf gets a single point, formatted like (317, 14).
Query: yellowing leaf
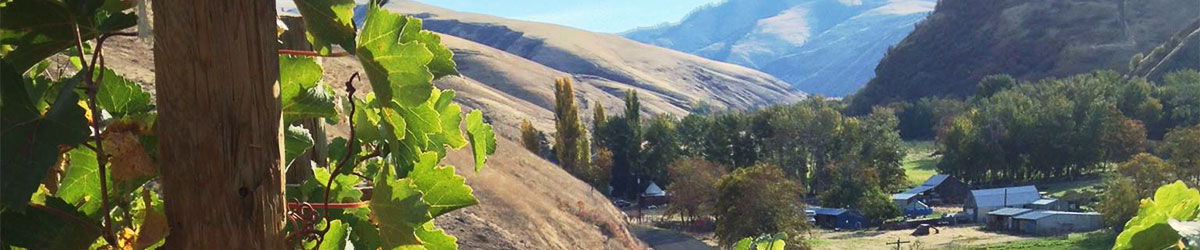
(129, 160)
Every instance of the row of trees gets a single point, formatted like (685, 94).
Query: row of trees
(1012, 132)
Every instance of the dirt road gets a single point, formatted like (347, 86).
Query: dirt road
(661, 239)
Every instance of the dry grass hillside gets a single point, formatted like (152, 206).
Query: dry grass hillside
(525, 201)
(608, 64)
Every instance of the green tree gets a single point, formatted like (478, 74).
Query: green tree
(1181, 147)
(883, 150)
(1147, 173)
(993, 84)
(1119, 201)
(531, 137)
(598, 121)
(693, 185)
(571, 144)
(1123, 138)
(922, 119)
(1181, 96)
(759, 200)
(661, 148)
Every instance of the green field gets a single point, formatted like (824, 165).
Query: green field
(1076, 241)
(918, 165)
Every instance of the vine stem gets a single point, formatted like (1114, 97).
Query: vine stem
(311, 53)
(297, 205)
(101, 159)
(345, 158)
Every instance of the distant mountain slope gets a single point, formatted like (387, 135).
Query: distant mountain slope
(965, 40)
(819, 46)
(608, 62)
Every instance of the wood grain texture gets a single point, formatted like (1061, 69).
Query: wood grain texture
(219, 123)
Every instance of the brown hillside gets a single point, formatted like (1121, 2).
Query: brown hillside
(525, 202)
(608, 62)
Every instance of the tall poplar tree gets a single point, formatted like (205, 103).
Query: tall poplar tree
(570, 142)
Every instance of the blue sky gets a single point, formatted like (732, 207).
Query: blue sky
(594, 15)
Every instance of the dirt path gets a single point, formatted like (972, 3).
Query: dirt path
(661, 239)
(949, 237)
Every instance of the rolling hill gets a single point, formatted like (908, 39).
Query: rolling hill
(826, 47)
(963, 40)
(508, 69)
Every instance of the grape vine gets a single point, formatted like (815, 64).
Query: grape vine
(79, 168)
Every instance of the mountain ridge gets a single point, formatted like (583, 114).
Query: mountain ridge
(962, 41)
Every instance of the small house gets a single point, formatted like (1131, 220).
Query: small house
(981, 202)
(938, 189)
(839, 218)
(1043, 222)
(1003, 218)
(1049, 204)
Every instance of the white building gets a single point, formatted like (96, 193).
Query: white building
(980, 202)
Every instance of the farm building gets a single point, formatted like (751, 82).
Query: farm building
(653, 196)
(1003, 218)
(839, 218)
(981, 202)
(1043, 222)
(1049, 204)
(938, 189)
(916, 208)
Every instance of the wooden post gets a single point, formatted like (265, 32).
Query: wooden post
(301, 169)
(219, 125)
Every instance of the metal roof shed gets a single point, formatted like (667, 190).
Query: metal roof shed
(980, 202)
(1043, 222)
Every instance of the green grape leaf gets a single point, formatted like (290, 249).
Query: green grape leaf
(337, 150)
(436, 239)
(443, 59)
(363, 234)
(365, 120)
(296, 140)
(30, 141)
(35, 228)
(301, 92)
(443, 190)
(397, 206)
(328, 22)
(393, 124)
(122, 97)
(1150, 227)
(81, 182)
(420, 118)
(744, 243)
(297, 73)
(40, 28)
(483, 140)
(343, 190)
(315, 102)
(336, 238)
(451, 115)
(396, 69)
